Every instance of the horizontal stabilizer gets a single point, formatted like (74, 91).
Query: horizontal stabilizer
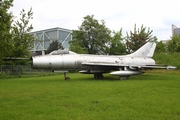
(171, 67)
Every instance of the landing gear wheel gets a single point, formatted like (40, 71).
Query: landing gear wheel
(98, 76)
(65, 77)
(123, 77)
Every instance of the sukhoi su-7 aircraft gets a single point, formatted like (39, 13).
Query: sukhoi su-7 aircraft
(123, 66)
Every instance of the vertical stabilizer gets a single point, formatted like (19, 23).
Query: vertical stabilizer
(147, 50)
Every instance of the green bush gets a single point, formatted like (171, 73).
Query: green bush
(168, 59)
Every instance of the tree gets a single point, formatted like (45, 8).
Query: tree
(92, 36)
(160, 47)
(173, 45)
(55, 45)
(75, 47)
(116, 45)
(5, 27)
(22, 40)
(138, 38)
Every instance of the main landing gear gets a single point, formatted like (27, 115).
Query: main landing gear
(98, 76)
(123, 77)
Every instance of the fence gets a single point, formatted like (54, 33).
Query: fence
(26, 70)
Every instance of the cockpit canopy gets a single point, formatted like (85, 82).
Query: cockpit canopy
(59, 52)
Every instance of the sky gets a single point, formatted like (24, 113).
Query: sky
(158, 15)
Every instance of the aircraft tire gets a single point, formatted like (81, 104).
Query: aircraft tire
(98, 76)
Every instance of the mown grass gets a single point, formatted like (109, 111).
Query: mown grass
(153, 95)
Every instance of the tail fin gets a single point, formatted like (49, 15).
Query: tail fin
(147, 50)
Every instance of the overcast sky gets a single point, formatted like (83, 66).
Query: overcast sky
(158, 15)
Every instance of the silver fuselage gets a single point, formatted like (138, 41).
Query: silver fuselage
(75, 61)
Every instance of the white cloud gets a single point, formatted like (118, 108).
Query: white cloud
(158, 15)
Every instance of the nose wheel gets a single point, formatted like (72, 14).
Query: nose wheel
(66, 77)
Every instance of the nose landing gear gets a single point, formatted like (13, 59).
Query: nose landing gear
(66, 77)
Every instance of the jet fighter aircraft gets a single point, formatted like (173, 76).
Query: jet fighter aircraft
(123, 66)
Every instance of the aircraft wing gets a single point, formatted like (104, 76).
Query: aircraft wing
(102, 64)
(130, 66)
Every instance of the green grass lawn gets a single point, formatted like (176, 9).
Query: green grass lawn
(151, 96)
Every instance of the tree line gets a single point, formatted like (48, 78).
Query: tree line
(15, 39)
(93, 37)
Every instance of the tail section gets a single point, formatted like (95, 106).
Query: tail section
(147, 50)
